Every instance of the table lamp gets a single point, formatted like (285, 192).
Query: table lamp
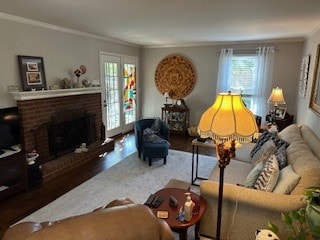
(276, 98)
(226, 122)
(166, 96)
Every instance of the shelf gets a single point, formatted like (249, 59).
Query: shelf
(177, 119)
(13, 178)
(31, 95)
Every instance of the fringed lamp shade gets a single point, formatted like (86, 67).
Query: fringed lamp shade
(228, 119)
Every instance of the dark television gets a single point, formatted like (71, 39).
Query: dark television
(9, 128)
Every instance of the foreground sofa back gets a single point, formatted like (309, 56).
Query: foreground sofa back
(127, 222)
(245, 210)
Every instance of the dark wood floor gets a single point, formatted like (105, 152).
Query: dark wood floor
(22, 204)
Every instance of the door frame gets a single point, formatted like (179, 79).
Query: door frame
(128, 127)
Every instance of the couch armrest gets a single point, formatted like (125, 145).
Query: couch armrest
(251, 197)
(244, 210)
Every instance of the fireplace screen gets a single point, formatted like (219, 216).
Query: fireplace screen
(64, 133)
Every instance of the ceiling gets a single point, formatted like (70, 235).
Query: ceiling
(153, 23)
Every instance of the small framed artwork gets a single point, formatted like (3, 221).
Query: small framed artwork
(304, 73)
(281, 112)
(32, 73)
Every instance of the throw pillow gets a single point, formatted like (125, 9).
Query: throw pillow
(281, 155)
(264, 152)
(267, 179)
(287, 181)
(279, 142)
(263, 138)
(253, 175)
(156, 125)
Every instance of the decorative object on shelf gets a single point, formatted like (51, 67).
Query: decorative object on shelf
(223, 123)
(175, 74)
(304, 73)
(315, 92)
(66, 83)
(280, 112)
(166, 96)
(78, 72)
(32, 73)
(177, 119)
(276, 98)
(180, 103)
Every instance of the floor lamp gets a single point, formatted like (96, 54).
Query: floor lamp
(227, 121)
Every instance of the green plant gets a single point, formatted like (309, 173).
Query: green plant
(303, 223)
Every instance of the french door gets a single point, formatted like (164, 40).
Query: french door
(119, 81)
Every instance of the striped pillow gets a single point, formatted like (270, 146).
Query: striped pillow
(267, 179)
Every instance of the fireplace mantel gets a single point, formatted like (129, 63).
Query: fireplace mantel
(31, 95)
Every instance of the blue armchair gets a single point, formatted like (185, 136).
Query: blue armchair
(152, 148)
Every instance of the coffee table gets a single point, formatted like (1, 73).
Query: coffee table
(173, 222)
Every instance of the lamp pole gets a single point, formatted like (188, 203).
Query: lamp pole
(224, 160)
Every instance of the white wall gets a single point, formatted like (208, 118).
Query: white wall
(304, 113)
(62, 53)
(206, 60)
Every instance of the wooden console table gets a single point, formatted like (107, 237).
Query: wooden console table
(195, 146)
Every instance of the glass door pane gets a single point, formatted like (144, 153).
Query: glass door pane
(120, 100)
(129, 93)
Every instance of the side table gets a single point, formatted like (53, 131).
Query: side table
(173, 222)
(195, 146)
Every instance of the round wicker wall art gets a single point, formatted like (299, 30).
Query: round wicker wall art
(176, 75)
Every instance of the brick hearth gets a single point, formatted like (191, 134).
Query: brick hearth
(36, 111)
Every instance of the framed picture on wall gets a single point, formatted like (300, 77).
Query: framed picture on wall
(304, 73)
(32, 73)
(315, 92)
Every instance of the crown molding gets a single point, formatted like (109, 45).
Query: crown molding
(62, 29)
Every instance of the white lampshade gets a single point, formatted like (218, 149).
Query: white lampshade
(276, 97)
(228, 119)
(166, 95)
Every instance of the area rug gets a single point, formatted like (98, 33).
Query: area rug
(132, 177)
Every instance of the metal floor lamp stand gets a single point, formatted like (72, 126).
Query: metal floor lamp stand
(224, 160)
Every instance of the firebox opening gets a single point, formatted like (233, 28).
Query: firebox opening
(65, 132)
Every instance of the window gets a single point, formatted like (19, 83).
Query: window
(243, 76)
(248, 73)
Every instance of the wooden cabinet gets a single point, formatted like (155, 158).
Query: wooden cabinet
(177, 118)
(281, 123)
(13, 174)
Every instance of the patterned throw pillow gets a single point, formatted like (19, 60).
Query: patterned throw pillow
(279, 142)
(281, 155)
(264, 152)
(263, 138)
(267, 179)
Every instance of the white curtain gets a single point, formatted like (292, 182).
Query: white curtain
(224, 74)
(263, 83)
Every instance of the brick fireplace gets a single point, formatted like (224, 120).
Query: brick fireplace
(37, 108)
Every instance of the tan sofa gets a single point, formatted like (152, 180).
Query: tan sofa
(245, 210)
(113, 222)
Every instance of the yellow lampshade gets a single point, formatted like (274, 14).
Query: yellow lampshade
(228, 119)
(276, 97)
